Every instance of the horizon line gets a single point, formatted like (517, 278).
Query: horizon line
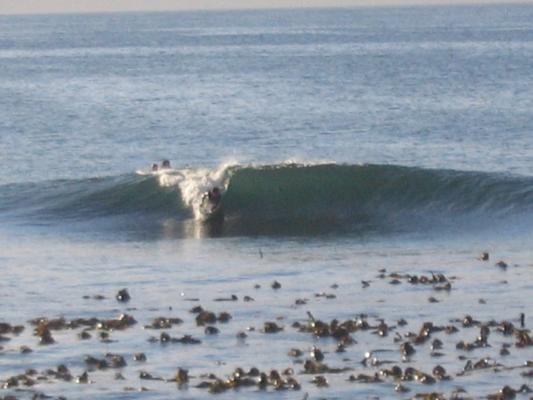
(384, 4)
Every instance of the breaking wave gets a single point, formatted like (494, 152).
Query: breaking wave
(284, 198)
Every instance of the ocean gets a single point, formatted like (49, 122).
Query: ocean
(377, 174)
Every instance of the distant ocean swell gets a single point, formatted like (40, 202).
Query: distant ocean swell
(320, 197)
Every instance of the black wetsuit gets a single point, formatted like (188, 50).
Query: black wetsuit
(214, 198)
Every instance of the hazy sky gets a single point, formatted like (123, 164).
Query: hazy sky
(55, 6)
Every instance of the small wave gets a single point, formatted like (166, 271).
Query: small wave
(90, 198)
(286, 198)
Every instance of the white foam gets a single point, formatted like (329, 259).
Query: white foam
(159, 172)
(194, 182)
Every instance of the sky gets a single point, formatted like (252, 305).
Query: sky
(76, 6)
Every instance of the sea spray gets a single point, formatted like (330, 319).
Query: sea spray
(194, 183)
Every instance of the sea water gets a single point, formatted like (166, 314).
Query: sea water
(353, 146)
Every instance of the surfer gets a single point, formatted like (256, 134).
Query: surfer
(214, 196)
(165, 164)
(211, 199)
(155, 167)
(211, 206)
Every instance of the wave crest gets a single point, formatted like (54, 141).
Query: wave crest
(283, 198)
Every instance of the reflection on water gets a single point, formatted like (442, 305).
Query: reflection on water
(191, 228)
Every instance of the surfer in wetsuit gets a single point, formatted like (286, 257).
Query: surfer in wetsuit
(214, 196)
(211, 207)
(165, 164)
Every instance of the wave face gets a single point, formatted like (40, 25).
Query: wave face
(381, 197)
(89, 198)
(286, 198)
